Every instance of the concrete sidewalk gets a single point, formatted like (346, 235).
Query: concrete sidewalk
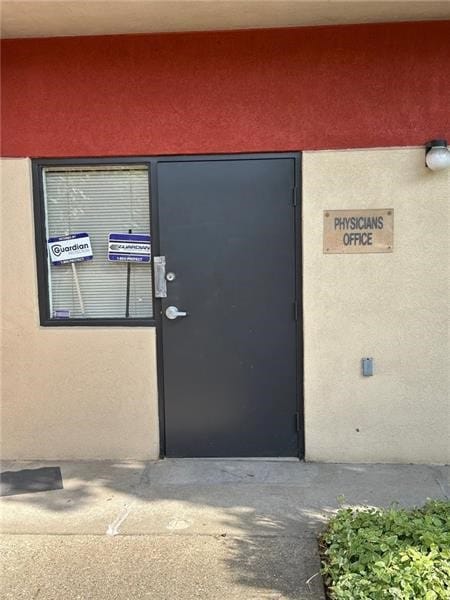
(183, 529)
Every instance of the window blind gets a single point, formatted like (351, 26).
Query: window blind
(98, 201)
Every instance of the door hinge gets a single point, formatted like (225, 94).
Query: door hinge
(295, 304)
(297, 421)
(294, 196)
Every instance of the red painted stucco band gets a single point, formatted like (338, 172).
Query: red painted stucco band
(242, 91)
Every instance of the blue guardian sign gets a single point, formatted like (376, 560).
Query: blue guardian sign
(129, 247)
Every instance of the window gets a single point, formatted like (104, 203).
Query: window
(84, 205)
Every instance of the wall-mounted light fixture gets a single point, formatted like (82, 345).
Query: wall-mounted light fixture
(437, 155)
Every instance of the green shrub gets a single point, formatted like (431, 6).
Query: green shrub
(373, 554)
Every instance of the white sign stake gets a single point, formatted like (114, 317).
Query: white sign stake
(77, 285)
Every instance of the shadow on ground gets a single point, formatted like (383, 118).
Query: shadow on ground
(263, 517)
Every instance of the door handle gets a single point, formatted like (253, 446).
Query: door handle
(172, 312)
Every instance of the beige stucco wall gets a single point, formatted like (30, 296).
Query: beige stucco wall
(393, 307)
(22, 18)
(91, 392)
(67, 392)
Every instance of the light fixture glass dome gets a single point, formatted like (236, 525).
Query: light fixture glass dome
(438, 155)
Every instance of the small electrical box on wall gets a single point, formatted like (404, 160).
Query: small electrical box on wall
(367, 367)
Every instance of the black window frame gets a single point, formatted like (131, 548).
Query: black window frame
(38, 166)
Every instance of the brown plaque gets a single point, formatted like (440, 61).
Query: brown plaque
(358, 231)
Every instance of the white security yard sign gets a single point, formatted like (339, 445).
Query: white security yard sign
(69, 248)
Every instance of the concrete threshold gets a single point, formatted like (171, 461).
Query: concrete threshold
(293, 459)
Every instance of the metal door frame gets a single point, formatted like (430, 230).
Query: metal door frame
(297, 221)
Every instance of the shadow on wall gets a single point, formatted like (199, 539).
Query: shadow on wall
(266, 514)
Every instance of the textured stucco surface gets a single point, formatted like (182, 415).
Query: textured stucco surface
(82, 393)
(22, 18)
(66, 392)
(393, 307)
(353, 86)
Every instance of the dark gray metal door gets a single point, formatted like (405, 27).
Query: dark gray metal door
(228, 232)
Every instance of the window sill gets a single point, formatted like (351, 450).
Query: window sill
(98, 322)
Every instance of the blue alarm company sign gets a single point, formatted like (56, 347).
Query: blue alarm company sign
(129, 247)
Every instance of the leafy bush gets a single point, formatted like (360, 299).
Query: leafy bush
(373, 554)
